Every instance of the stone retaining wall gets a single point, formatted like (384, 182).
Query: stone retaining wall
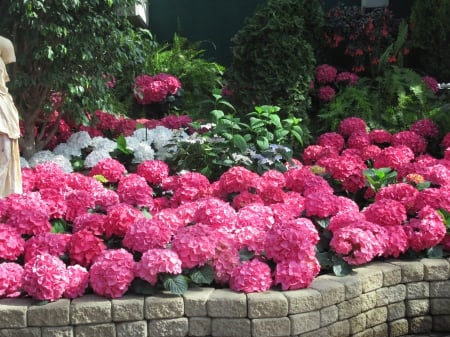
(381, 299)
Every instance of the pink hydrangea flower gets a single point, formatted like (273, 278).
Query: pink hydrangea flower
(78, 203)
(414, 141)
(358, 140)
(426, 128)
(402, 192)
(176, 121)
(190, 186)
(215, 213)
(344, 218)
(79, 181)
(438, 174)
(332, 139)
(255, 215)
(225, 259)
(104, 198)
(319, 204)
(195, 245)
(326, 93)
(394, 157)
(11, 243)
(11, 274)
(55, 244)
(237, 179)
(78, 281)
(154, 171)
(112, 273)
(351, 125)
(173, 83)
(119, 218)
(155, 261)
(433, 197)
(397, 241)
(431, 83)
(45, 277)
(49, 175)
(445, 142)
(386, 212)
(93, 222)
(348, 77)
(134, 190)
(112, 169)
(297, 274)
(251, 238)
(55, 200)
(313, 153)
(380, 137)
(297, 178)
(84, 247)
(359, 242)
(246, 198)
(28, 179)
(145, 234)
(251, 276)
(325, 73)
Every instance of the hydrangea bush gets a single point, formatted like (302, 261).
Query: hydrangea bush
(354, 196)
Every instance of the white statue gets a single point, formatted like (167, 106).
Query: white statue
(10, 173)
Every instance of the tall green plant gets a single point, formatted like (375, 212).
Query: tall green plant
(68, 47)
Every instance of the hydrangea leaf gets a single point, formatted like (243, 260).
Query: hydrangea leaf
(203, 275)
(175, 284)
(435, 252)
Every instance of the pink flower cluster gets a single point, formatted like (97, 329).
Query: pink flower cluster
(329, 81)
(153, 89)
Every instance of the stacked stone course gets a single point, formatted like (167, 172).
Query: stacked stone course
(392, 298)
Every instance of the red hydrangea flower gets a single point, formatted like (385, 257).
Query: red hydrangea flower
(291, 240)
(106, 121)
(397, 241)
(426, 128)
(351, 125)
(78, 203)
(414, 141)
(173, 83)
(238, 179)
(155, 261)
(425, 231)
(45, 277)
(55, 201)
(112, 273)
(255, 215)
(445, 142)
(225, 259)
(313, 153)
(84, 247)
(93, 222)
(195, 245)
(359, 242)
(332, 139)
(246, 198)
(326, 93)
(431, 83)
(394, 157)
(297, 178)
(112, 169)
(251, 276)
(154, 171)
(380, 137)
(78, 281)
(402, 192)
(317, 184)
(190, 186)
(134, 190)
(386, 212)
(320, 204)
(51, 243)
(28, 179)
(10, 279)
(358, 140)
(344, 166)
(348, 77)
(369, 152)
(145, 234)
(325, 73)
(11, 243)
(119, 218)
(176, 122)
(215, 213)
(49, 175)
(297, 274)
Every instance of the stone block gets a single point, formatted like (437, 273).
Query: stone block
(371, 278)
(199, 326)
(441, 323)
(96, 330)
(128, 308)
(131, 329)
(301, 323)
(271, 327)
(332, 291)
(392, 274)
(440, 289)
(396, 311)
(357, 324)
(51, 314)
(382, 297)
(231, 327)
(339, 329)
(376, 316)
(440, 306)
(398, 328)
(417, 307)
(380, 330)
(90, 309)
(352, 284)
(421, 324)
(322, 332)
(303, 300)
(349, 308)
(436, 269)
(175, 327)
(164, 305)
(22, 332)
(267, 304)
(328, 315)
(13, 312)
(365, 333)
(57, 331)
(368, 301)
(412, 271)
(396, 293)
(225, 303)
(195, 300)
(417, 290)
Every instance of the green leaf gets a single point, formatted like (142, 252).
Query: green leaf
(142, 287)
(435, 252)
(276, 121)
(203, 275)
(218, 114)
(323, 223)
(263, 143)
(340, 267)
(324, 259)
(122, 145)
(100, 178)
(240, 143)
(175, 284)
(58, 226)
(245, 254)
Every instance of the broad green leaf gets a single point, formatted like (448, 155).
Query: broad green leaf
(203, 275)
(263, 143)
(340, 267)
(276, 121)
(100, 178)
(142, 287)
(175, 284)
(245, 254)
(58, 226)
(218, 114)
(240, 143)
(435, 252)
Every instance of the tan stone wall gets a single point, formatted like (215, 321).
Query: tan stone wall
(392, 298)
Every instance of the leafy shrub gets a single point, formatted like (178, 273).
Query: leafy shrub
(273, 58)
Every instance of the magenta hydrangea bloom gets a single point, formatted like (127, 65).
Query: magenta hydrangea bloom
(326, 93)
(84, 247)
(297, 274)
(414, 141)
(321, 204)
(11, 274)
(380, 136)
(112, 169)
(154, 171)
(251, 276)
(55, 244)
(215, 213)
(332, 139)
(431, 83)
(134, 190)
(225, 259)
(426, 128)
(155, 261)
(112, 273)
(93, 222)
(237, 179)
(402, 192)
(394, 157)
(119, 218)
(255, 215)
(386, 212)
(190, 186)
(397, 241)
(145, 234)
(49, 175)
(352, 125)
(45, 277)
(78, 281)
(347, 77)
(11, 243)
(325, 73)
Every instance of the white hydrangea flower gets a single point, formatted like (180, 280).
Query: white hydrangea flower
(24, 162)
(104, 144)
(142, 153)
(63, 162)
(144, 135)
(132, 143)
(161, 137)
(80, 140)
(67, 150)
(95, 156)
(41, 157)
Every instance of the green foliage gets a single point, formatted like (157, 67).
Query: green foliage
(430, 37)
(273, 59)
(198, 76)
(391, 101)
(378, 178)
(68, 47)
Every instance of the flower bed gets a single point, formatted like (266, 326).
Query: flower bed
(391, 298)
